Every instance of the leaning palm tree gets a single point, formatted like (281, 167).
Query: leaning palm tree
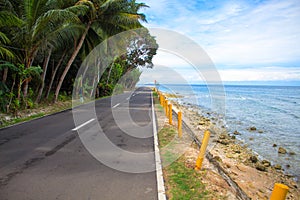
(42, 25)
(108, 18)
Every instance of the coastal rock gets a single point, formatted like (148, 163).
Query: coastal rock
(223, 136)
(236, 133)
(260, 167)
(266, 163)
(201, 123)
(252, 128)
(253, 159)
(224, 141)
(278, 167)
(292, 153)
(281, 150)
(217, 158)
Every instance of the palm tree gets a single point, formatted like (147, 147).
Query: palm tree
(108, 18)
(43, 24)
(7, 19)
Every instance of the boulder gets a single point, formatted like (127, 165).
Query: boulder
(252, 128)
(278, 167)
(292, 153)
(260, 167)
(253, 159)
(266, 163)
(281, 150)
(236, 133)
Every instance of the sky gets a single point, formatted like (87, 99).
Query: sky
(248, 41)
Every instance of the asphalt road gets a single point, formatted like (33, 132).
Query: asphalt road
(46, 159)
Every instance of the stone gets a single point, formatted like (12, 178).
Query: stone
(236, 133)
(252, 128)
(201, 123)
(266, 163)
(217, 158)
(260, 167)
(260, 131)
(224, 141)
(253, 159)
(222, 136)
(278, 167)
(292, 153)
(274, 145)
(281, 150)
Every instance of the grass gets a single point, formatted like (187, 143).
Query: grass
(182, 183)
(39, 111)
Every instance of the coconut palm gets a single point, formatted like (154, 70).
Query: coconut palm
(106, 18)
(43, 26)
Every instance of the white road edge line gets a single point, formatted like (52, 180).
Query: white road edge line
(85, 123)
(159, 173)
(116, 105)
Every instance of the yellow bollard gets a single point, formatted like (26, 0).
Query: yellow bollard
(170, 114)
(179, 124)
(279, 192)
(204, 144)
(166, 107)
(159, 98)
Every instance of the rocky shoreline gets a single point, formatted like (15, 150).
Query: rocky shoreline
(255, 176)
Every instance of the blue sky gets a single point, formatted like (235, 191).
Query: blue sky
(246, 40)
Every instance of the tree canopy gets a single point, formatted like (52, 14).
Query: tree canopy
(44, 42)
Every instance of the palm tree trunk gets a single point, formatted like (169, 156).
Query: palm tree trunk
(75, 52)
(110, 69)
(4, 76)
(28, 64)
(43, 76)
(54, 73)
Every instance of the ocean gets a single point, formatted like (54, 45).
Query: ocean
(273, 110)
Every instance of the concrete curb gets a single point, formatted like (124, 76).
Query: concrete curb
(159, 173)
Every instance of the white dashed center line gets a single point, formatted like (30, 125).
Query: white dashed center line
(116, 105)
(85, 123)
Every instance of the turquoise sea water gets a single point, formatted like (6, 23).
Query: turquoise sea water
(275, 110)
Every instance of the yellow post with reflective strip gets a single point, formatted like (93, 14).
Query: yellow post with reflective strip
(204, 144)
(279, 192)
(170, 114)
(166, 107)
(179, 124)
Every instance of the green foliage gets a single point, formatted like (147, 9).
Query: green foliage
(119, 89)
(183, 183)
(29, 28)
(4, 96)
(63, 96)
(105, 89)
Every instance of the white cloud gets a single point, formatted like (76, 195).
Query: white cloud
(260, 74)
(235, 33)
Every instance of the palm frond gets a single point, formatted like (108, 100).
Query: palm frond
(8, 19)
(6, 53)
(51, 20)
